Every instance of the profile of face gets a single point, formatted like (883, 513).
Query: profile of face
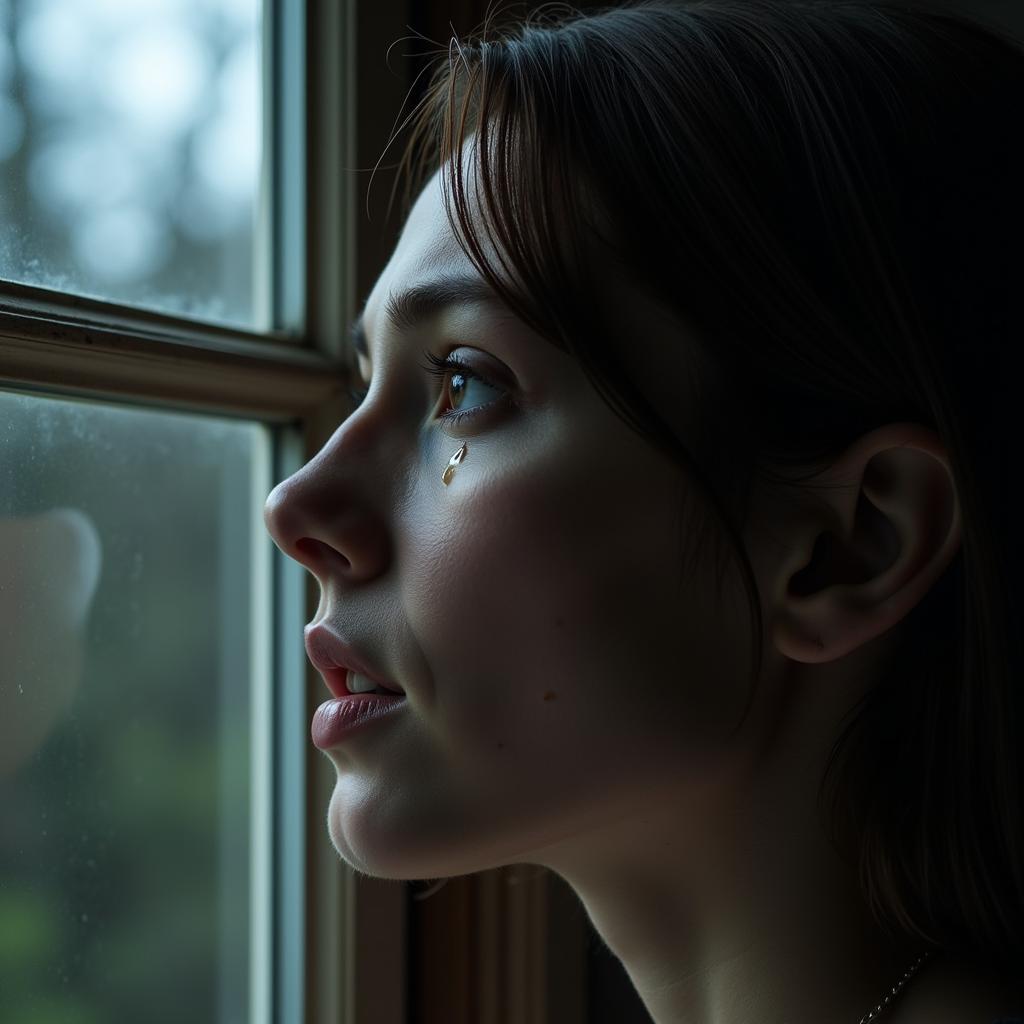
(562, 676)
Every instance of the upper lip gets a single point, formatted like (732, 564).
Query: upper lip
(333, 658)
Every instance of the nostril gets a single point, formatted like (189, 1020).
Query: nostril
(308, 547)
(312, 550)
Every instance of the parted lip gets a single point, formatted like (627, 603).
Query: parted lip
(332, 658)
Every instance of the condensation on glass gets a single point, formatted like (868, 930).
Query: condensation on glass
(132, 614)
(130, 152)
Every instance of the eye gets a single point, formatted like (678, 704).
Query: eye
(459, 380)
(460, 384)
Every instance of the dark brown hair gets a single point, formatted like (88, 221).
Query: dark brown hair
(830, 195)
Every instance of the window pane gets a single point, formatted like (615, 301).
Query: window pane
(130, 151)
(134, 792)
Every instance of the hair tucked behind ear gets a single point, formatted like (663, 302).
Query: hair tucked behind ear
(829, 195)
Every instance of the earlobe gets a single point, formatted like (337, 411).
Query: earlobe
(889, 528)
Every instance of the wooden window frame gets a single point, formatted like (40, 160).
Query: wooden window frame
(499, 947)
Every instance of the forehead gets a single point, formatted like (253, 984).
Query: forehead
(427, 248)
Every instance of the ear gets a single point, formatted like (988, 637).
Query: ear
(885, 527)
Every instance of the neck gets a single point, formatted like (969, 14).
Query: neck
(729, 909)
(771, 952)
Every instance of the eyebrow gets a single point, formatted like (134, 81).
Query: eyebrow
(405, 310)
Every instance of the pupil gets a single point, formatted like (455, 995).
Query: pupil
(458, 383)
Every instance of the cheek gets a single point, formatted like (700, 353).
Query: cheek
(548, 608)
(500, 570)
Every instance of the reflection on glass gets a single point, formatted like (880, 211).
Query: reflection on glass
(129, 560)
(130, 150)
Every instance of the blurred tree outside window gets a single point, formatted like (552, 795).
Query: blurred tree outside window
(129, 553)
(130, 151)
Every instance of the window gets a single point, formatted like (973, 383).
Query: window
(133, 713)
(155, 369)
(130, 145)
(187, 225)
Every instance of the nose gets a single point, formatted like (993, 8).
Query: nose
(324, 517)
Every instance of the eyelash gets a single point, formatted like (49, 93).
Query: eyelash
(441, 368)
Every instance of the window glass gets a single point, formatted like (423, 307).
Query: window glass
(130, 152)
(133, 603)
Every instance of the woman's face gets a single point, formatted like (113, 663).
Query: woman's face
(562, 675)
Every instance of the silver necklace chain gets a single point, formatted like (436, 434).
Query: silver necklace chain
(872, 1014)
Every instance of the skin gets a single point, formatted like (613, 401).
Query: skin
(571, 704)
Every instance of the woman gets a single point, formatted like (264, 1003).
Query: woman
(679, 518)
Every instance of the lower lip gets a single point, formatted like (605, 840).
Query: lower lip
(336, 719)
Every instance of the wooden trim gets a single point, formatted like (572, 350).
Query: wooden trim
(216, 373)
(22, 303)
(377, 920)
(506, 946)
(356, 970)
